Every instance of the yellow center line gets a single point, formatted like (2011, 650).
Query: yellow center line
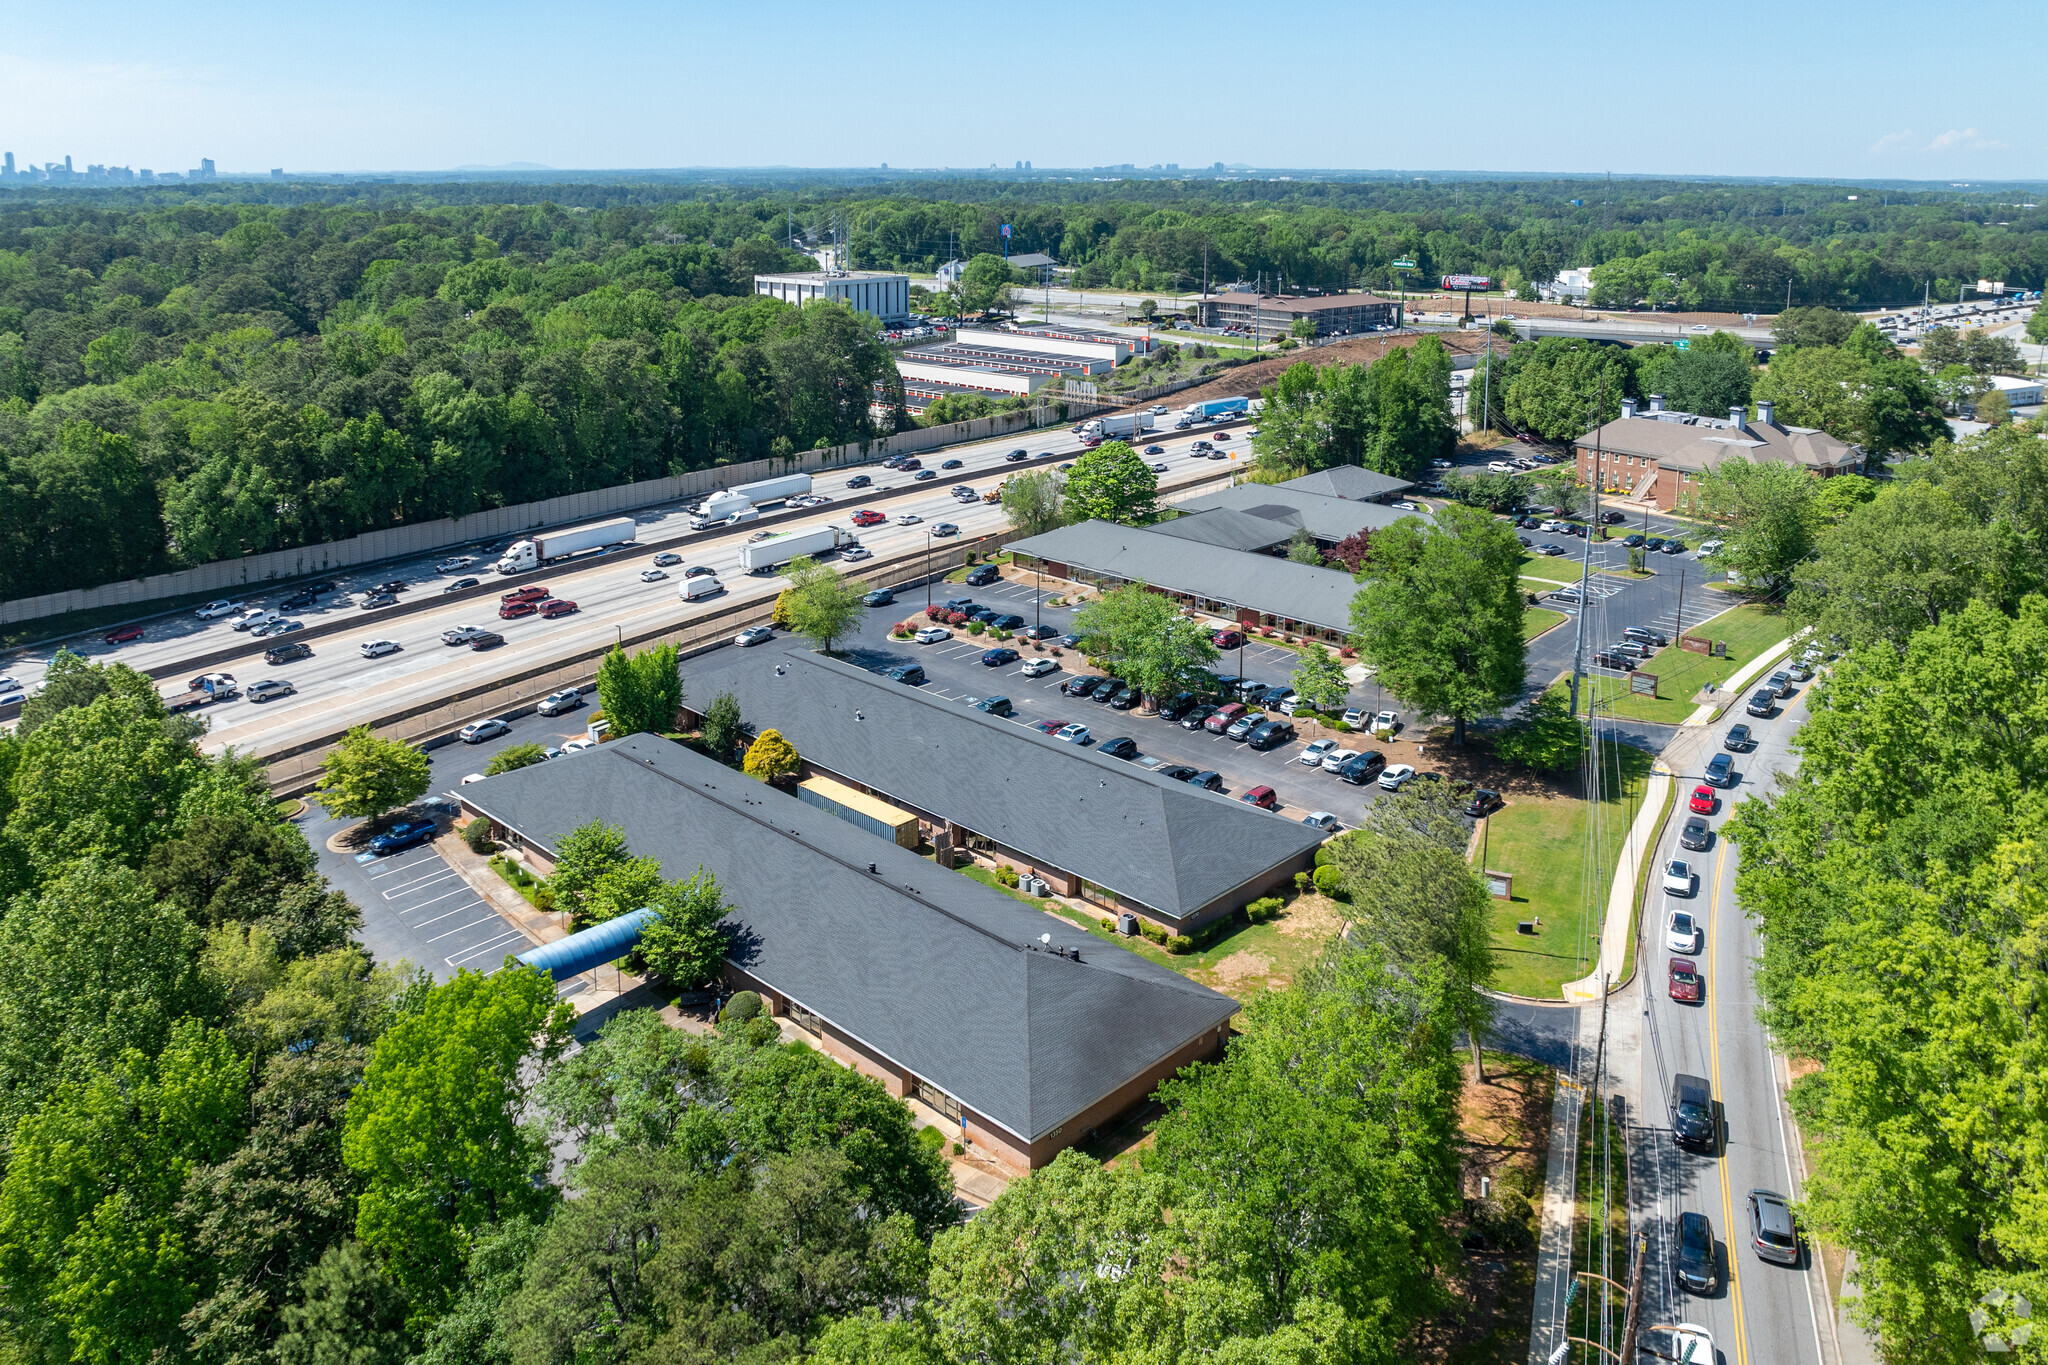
(1714, 1063)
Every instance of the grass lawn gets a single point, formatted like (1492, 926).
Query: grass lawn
(1749, 631)
(1242, 962)
(1542, 839)
(1536, 620)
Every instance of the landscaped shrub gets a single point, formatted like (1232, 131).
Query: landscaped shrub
(477, 834)
(1151, 931)
(1301, 881)
(956, 618)
(1007, 875)
(1259, 911)
(1330, 881)
(1322, 855)
(1110, 925)
(742, 1007)
(1180, 943)
(935, 613)
(976, 627)
(1341, 728)
(1347, 653)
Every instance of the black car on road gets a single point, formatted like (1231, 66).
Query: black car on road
(1696, 1268)
(1739, 740)
(284, 654)
(1763, 702)
(1696, 836)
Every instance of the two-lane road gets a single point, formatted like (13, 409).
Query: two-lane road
(1760, 1313)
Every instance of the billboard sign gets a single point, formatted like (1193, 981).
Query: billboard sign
(1643, 684)
(1468, 282)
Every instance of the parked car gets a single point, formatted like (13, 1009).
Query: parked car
(1121, 747)
(1228, 639)
(996, 658)
(1684, 982)
(1695, 836)
(931, 635)
(1695, 1266)
(1265, 798)
(1176, 772)
(1703, 800)
(1198, 716)
(477, 731)
(1038, 668)
(1277, 697)
(996, 706)
(1681, 932)
(555, 703)
(1739, 739)
(1207, 781)
(1483, 802)
(1396, 776)
(1007, 621)
(1271, 734)
(911, 675)
(286, 653)
(1176, 706)
(402, 836)
(1253, 693)
(981, 575)
(1678, 878)
(1322, 820)
(1081, 684)
(1242, 727)
(1771, 1232)
(1644, 635)
(753, 635)
(1073, 734)
(1359, 768)
(1315, 751)
(1124, 700)
(269, 689)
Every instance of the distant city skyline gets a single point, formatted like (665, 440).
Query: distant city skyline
(1817, 91)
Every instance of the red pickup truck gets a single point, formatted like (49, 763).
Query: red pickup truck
(526, 594)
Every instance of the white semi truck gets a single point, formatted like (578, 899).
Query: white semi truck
(550, 546)
(1118, 427)
(783, 546)
(727, 502)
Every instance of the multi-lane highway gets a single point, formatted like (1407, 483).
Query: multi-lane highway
(1760, 1312)
(337, 685)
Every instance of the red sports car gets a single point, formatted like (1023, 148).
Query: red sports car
(1702, 802)
(1687, 984)
(124, 635)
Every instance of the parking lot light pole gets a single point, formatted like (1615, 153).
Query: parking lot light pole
(927, 573)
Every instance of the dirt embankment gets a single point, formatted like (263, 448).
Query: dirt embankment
(1246, 380)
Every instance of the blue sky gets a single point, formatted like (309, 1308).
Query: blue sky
(1734, 88)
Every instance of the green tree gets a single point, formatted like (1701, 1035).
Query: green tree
(347, 1314)
(2037, 326)
(686, 946)
(723, 727)
(1818, 386)
(1301, 548)
(1896, 565)
(1441, 615)
(94, 1265)
(1769, 512)
(1901, 409)
(1319, 677)
(70, 681)
(107, 778)
(1993, 409)
(623, 888)
(823, 606)
(582, 858)
(985, 283)
(230, 866)
(1146, 638)
(1811, 327)
(771, 757)
(1302, 329)
(366, 775)
(1560, 387)
(1700, 379)
(640, 693)
(514, 756)
(1032, 502)
(1111, 483)
(470, 1332)
(441, 1130)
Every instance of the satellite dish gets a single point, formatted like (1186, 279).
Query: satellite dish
(1045, 938)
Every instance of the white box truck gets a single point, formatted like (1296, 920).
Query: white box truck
(783, 546)
(698, 588)
(727, 501)
(550, 546)
(1119, 426)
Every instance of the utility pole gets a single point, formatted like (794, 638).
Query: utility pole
(1586, 561)
(1486, 399)
(1678, 626)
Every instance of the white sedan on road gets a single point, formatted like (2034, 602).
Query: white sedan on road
(377, 649)
(909, 519)
(1678, 877)
(652, 575)
(1681, 931)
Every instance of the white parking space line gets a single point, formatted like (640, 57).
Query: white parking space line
(421, 884)
(446, 913)
(498, 945)
(471, 925)
(403, 867)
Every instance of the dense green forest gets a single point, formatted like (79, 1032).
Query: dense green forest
(185, 384)
(198, 372)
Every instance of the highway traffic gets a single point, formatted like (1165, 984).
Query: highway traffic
(338, 685)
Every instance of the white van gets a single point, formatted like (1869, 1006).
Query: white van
(695, 589)
(1709, 548)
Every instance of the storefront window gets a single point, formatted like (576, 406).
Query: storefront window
(924, 1092)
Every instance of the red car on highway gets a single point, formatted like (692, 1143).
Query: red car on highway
(508, 611)
(124, 635)
(556, 606)
(868, 518)
(1702, 802)
(527, 594)
(1687, 985)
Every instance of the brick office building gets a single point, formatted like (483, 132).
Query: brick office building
(1661, 457)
